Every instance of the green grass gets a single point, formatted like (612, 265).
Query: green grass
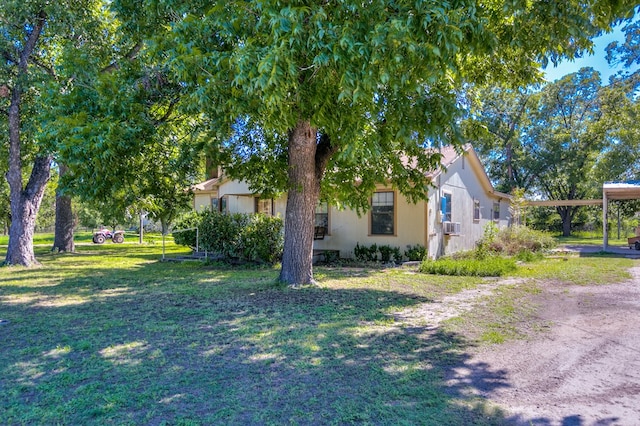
(587, 270)
(592, 238)
(84, 237)
(489, 267)
(109, 335)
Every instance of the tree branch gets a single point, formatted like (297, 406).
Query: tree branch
(30, 44)
(168, 112)
(49, 70)
(131, 55)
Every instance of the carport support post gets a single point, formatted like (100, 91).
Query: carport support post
(141, 227)
(605, 221)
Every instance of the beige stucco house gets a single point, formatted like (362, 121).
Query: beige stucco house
(459, 205)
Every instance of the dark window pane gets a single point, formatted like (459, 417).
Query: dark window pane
(382, 213)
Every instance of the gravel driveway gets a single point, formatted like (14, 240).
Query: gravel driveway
(585, 370)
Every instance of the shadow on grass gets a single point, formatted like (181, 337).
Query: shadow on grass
(190, 345)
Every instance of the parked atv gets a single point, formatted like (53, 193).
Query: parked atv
(103, 234)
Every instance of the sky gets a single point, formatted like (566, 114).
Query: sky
(597, 61)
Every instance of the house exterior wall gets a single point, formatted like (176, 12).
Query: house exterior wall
(234, 187)
(202, 200)
(460, 180)
(464, 180)
(346, 229)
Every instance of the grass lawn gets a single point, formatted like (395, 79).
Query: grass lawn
(109, 335)
(85, 237)
(593, 238)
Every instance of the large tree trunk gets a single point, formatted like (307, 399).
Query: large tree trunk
(25, 204)
(566, 214)
(25, 200)
(308, 159)
(65, 222)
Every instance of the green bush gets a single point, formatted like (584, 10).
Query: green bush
(370, 254)
(492, 266)
(513, 241)
(385, 253)
(366, 254)
(189, 221)
(416, 252)
(251, 237)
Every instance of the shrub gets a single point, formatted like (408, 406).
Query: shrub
(493, 266)
(366, 254)
(513, 241)
(257, 238)
(385, 253)
(190, 221)
(262, 239)
(416, 252)
(370, 254)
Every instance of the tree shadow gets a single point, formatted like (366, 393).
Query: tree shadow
(165, 343)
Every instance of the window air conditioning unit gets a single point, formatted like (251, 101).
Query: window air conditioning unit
(451, 228)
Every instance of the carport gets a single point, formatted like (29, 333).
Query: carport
(622, 190)
(627, 190)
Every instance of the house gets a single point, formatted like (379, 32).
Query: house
(459, 205)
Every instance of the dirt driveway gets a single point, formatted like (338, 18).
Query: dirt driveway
(585, 370)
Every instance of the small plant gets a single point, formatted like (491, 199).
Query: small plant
(370, 254)
(397, 254)
(416, 252)
(385, 253)
(492, 266)
(361, 253)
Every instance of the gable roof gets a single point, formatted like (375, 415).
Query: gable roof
(449, 156)
(208, 185)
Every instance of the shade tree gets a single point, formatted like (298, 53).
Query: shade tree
(346, 95)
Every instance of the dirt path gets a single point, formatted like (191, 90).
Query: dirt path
(433, 313)
(584, 371)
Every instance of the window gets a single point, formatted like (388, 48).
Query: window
(263, 206)
(224, 205)
(476, 210)
(496, 211)
(215, 205)
(382, 213)
(445, 207)
(322, 215)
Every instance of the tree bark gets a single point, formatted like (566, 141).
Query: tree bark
(65, 222)
(566, 214)
(308, 159)
(302, 197)
(25, 200)
(24, 209)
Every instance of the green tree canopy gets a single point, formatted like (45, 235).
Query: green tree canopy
(345, 92)
(32, 37)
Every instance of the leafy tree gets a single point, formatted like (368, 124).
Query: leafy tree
(120, 134)
(345, 92)
(564, 140)
(495, 125)
(65, 220)
(47, 213)
(628, 52)
(31, 36)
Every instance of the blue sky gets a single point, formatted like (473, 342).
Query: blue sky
(597, 61)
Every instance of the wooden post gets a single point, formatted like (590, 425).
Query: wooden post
(605, 221)
(141, 226)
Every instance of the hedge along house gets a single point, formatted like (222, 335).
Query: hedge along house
(460, 203)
